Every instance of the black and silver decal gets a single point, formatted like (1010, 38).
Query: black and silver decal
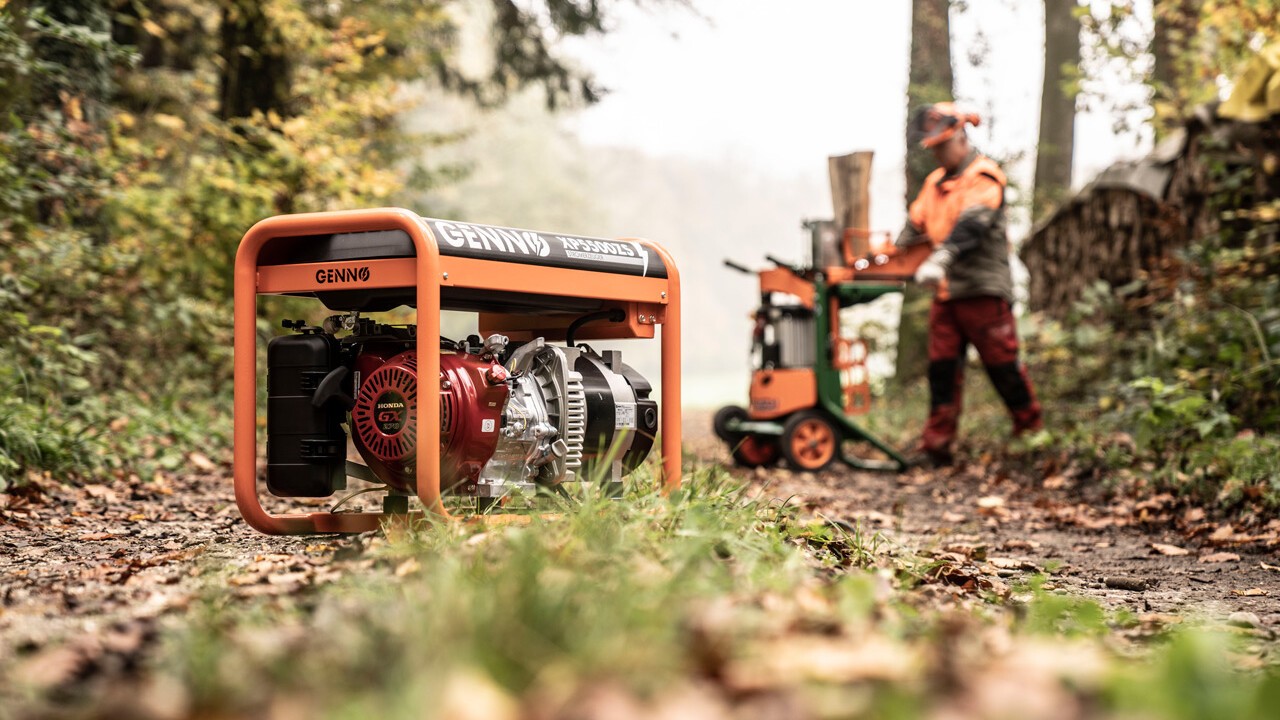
(490, 242)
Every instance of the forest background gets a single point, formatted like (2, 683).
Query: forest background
(143, 137)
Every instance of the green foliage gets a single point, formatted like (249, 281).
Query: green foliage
(42, 422)
(1064, 615)
(1182, 56)
(1178, 372)
(1174, 414)
(48, 50)
(1189, 679)
(81, 339)
(603, 592)
(120, 228)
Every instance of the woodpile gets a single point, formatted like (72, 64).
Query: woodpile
(1219, 172)
(1109, 235)
(1133, 215)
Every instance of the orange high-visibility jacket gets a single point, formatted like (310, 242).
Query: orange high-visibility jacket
(965, 209)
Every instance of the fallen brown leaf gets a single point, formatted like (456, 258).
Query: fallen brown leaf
(790, 660)
(102, 492)
(408, 567)
(51, 667)
(244, 580)
(1221, 557)
(295, 579)
(1251, 592)
(1056, 482)
(1170, 550)
(201, 462)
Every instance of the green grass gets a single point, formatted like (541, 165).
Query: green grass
(707, 597)
(115, 433)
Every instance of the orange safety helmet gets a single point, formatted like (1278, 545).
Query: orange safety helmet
(938, 123)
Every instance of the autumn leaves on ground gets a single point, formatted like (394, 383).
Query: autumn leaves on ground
(985, 590)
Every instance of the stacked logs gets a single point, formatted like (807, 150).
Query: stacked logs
(1123, 225)
(1109, 235)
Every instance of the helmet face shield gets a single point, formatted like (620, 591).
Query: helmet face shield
(938, 123)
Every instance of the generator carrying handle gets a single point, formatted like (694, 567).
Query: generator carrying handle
(245, 353)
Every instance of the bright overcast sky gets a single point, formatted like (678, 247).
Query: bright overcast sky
(781, 86)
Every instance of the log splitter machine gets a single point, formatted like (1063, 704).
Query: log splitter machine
(810, 380)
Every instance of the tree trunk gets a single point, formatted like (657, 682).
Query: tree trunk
(1057, 106)
(183, 44)
(1176, 22)
(930, 80)
(255, 73)
(13, 78)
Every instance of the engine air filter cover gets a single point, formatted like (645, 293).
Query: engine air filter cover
(385, 408)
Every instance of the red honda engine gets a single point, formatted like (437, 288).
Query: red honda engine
(473, 393)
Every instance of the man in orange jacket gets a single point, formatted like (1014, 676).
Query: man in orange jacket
(960, 212)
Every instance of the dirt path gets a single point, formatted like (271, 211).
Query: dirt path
(110, 559)
(1151, 556)
(113, 558)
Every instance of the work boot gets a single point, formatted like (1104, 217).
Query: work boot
(931, 458)
(1027, 420)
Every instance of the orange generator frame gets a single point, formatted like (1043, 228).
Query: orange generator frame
(535, 290)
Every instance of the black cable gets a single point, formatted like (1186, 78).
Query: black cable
(614, 315)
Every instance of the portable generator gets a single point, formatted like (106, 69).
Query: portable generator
(521, 405)
(809, 380)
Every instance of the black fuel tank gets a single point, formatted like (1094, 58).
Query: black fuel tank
(306, 445)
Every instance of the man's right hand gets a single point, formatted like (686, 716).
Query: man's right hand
(933, 271)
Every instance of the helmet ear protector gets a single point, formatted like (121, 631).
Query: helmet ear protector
(938, 123)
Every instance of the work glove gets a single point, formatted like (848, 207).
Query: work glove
(934, 269)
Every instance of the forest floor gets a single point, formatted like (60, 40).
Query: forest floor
(91, 575)
(1148, 554)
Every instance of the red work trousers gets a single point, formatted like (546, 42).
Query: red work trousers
(988, 324)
